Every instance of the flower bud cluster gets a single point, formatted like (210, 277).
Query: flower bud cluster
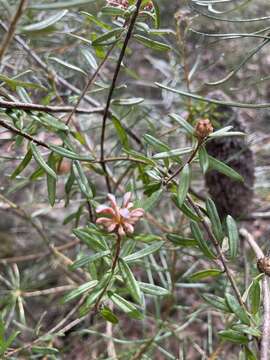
(203, 129)
(263, 265)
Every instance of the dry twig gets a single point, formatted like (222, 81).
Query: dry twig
(12, 28)
(49, 109)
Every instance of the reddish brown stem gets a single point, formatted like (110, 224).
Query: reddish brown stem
(194, 153)
(111, 91)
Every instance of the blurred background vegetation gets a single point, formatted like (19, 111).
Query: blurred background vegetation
(206, 46)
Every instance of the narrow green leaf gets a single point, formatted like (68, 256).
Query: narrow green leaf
(13, 84)
(219, 166)
(203, 158)
(86, 260)
(80, 290)
(221, 131)
(156, 14)
(154, 174)
(196, 232)
(154, 290)
(96, 20)
(233, 336)
(237, 309)
(233, 236)
(205, 274)
(152, 44)
(151, 201)
(5, 344)
(214, 101)
(50, 121)
(90, 300)
(109, 35)
(121, 132)
(181, 121)
(95, 293)
(51, 181)
(130, 281)
(70, 154)
(68, 65)
(125, 306)
(183, 186)
(44, 24)
(82, 180)
(42, 350)
(217, 302)
(92, 240)
(144, 252)
(155, 143)
(147, 238)
(172, 153)
(249, 354)
(160, 32)
(247, 330)
(139, 156)
(225, 132)
(128, 102)
(38, 173)
(108, 315)
(39, 159)
(68, 185)
(113, 11)
(59, 5)
(23, 164)
(214, 218)
(89, 58)
(186, 210)
(255, 296)
(181, 241)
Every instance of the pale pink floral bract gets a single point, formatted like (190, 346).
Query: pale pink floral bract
(120, 220)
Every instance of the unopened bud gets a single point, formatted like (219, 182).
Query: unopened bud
(203, 128)
(263, 265)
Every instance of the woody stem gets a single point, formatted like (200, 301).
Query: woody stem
(191, 158)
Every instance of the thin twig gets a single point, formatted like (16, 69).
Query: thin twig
(56, 327)
(22, 133)
(12, 28)
(109, 332)
(89, 82)
(49, 109)
(189, 161)
(17, 259)
(265, 342)
(42, 143)
(143, 349)
(113, 84)
(51, 291)
(63, 260)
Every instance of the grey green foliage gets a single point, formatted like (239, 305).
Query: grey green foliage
(120, 91)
